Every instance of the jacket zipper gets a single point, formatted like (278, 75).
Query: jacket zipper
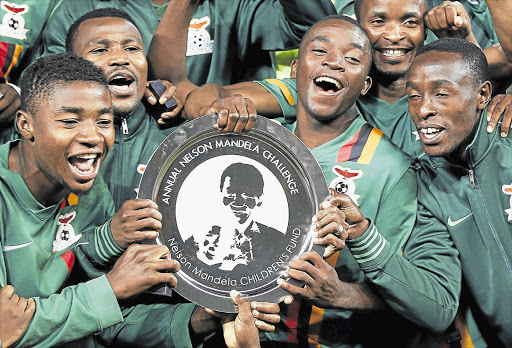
(501, 248)
(124, 125)
(471, 177)
(120, 169)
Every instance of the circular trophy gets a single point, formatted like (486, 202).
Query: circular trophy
(236, 208)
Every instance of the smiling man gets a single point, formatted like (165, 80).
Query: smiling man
(357, 159)
(448, 89)
(51, 201)
(110, 39)
(464, 190)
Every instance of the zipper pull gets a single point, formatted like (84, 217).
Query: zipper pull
(124, 125)
(471, 177)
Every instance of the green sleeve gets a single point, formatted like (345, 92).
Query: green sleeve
(424, 283)
(97, 250)
(78, 311)
(154, 325)
(396, 221)
(285, 91)
(277, 25)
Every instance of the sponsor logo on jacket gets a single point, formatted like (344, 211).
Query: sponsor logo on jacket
(507, 189)
(13, 24)
(65, 236)
(199, 40)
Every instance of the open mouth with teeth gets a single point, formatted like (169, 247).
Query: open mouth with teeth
(430, 133)
(394, 53)
(121, 84)
(328, 84)
(86, 164)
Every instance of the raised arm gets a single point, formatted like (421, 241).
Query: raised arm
(501, 11)
(499, 56)
(167, 51)
(300, 15)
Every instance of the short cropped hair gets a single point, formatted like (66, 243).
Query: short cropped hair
(246, 176)
(358, 4)
(41, 78)
(474, 60)
(98, 13)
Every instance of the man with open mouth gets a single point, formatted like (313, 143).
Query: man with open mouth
(51, 202)
(56, 210)
(110, 39)
(332, 72)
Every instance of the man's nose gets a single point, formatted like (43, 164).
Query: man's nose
(118, 56)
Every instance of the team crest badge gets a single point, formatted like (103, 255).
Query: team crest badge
(199, 40)
(507, 189)
(13, 24)
(65, 235)
(141, 168)
(344, 182)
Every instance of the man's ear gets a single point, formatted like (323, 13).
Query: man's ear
(293, 66)
(367, 85)
(25, 124)
(484, 95)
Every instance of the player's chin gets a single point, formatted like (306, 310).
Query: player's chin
(125, 105)
(81, 188)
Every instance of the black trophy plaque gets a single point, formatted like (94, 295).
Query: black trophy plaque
(236, 208)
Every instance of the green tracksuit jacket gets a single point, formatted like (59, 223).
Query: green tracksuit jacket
(229, 41)
(473, 205)
(365, 165)
(137, 137)
(40, 246)
(393, 119)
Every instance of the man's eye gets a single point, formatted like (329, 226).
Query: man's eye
(133, 48)
(99, 50)
(377, 22)
(319, 51)
(69, 123)
(413, 96)
(104, 123)
(353, 59)
(411, 22)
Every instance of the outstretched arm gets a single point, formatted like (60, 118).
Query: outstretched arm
(201, 100)
(90, 307)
